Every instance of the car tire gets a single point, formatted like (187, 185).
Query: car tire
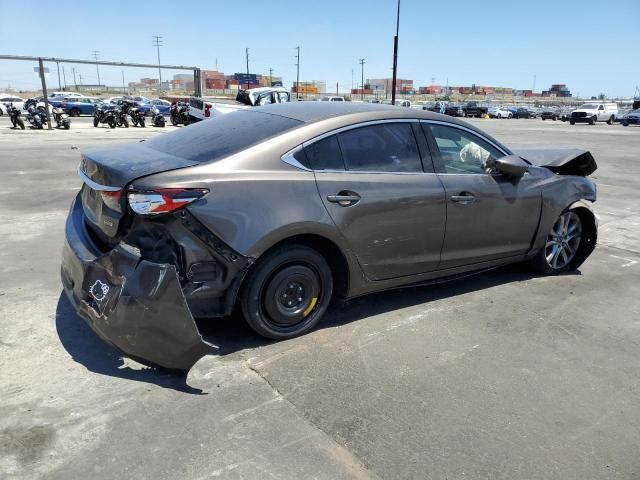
(74, 112)
(543, 119)
(499, 115)
(286, 292)
(592, 121)
(626, 124)
(611, 120)
(572, 122)
(555, 118)
(564, 250)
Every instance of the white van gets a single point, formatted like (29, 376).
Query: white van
(594, 112)
(66, 94)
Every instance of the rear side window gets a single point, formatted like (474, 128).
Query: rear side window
(389, 147)
(325, 154)
(212, 140)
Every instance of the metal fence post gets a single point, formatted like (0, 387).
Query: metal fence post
(44, 92)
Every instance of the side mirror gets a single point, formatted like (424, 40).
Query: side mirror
(511, 166)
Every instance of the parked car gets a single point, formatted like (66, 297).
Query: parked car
(403, 103)
(550, 113)
(631, 118)
(6, 98)
(593, 113)
(65, 94)
(524, 113)
(565, 114)
(499, 112)
(209, 107)
(80, 106)
(474, 109)
(454, 110)
(176, 228)
(333, 98)
(163, 106)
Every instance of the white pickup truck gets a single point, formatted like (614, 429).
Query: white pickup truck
(202, 108)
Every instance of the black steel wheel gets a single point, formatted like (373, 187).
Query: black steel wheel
(287, 292)
(592, 120)
(611, 120)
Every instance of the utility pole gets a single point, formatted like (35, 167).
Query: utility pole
(270, 77)
(247, 53)
(337, 89)
(352, 79)
(75, 84)
(157, 42)
(298, 73)
(80, 78)
(216, 64)
(534, 83)
(64, 77)
(395, 57)
(95, 55)
(362, 79)
(123, 89)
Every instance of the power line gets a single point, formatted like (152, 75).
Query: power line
(157, 42)
(95, 54)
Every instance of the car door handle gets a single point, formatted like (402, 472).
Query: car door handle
(463, 199)
(344, 199)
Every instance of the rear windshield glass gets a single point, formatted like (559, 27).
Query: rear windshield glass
(222, 136)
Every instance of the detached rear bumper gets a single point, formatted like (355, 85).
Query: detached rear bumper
(133, 304)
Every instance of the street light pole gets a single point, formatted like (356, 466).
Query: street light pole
(395, 57)
(95, 54)
(247, 53)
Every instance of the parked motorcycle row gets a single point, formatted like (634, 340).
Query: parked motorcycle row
(121, 113)
(36, 115)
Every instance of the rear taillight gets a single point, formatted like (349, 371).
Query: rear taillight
(164, 200)
(207, 109)
(111, 199)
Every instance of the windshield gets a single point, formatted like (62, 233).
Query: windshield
(588, 106)
(212, 140)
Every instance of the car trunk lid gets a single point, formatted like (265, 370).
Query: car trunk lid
(107, 172)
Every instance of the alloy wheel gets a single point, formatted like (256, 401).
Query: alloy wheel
(563, 241)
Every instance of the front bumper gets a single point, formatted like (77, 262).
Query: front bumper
(133, 304)
(631, 120)
(581, 119)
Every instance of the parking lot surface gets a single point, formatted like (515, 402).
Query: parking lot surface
(502, 375)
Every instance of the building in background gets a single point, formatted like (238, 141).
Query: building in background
(313, 87)
(384, 85)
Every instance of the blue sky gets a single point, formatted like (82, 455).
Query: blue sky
(591, 45)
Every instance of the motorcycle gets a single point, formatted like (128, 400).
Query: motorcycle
(179, 114)
(15, 115)
(36, 116)
(105, 113)
(122, 117)
(61, 118)
(137, 115)
(157, 119)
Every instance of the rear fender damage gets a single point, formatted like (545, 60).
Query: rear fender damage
(136, 296)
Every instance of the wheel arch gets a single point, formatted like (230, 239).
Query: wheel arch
(338, 262)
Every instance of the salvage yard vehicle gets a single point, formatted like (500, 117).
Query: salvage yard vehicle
(79, 106)
(202, 108)
(550, 113)
(474, 109)
(631, 118)
(499, 112)
(593, 113)
(279, 209)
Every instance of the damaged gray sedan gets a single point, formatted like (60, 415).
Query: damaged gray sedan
(276, 210)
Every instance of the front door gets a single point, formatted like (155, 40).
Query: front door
(390, 210)
(489, 215)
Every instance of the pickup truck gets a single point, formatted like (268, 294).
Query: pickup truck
(202, 108)
(473, 109)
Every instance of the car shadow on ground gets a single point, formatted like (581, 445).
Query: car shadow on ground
(232, 334)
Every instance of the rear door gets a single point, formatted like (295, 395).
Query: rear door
(389, 208)
(489, 215)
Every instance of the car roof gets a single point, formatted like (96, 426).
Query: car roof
(311, 112)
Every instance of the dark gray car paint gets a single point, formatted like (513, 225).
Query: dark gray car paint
(256, 200)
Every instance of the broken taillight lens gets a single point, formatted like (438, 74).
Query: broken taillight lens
(111, 199)
(164, 200)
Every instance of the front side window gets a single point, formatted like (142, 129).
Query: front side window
(283, 97)
(388, 147)
(464, 152)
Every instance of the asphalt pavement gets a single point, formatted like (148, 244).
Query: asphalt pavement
(504, 375)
